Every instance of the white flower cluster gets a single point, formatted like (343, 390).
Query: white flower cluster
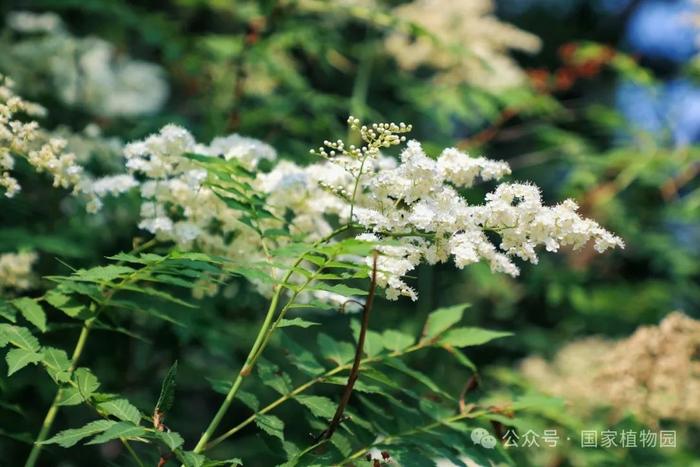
(28, 22)
(18, 138)
(653, 374)
(416, 203)
(47, 153)
(465, 42)
(85, 72)
(176, 204)
(16, 270)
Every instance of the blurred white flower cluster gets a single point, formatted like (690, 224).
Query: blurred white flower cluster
(463, 40)
(655, 373)
(86, 72)
(16, 270)
(28, 22)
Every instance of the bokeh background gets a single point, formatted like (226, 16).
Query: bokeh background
(595, 100)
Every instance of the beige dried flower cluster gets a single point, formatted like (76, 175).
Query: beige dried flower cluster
(43, 151)
(466, 42)
(16, 270)
(17, 138)
(654, 374)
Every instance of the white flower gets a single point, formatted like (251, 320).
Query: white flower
(415, 203)
(458, 168)
(28, 22)
(248, 151)
(29, 141)
(16, 270)
(113, 185)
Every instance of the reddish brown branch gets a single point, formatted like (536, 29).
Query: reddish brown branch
(355, 371)
(471, 384)
(253, 32)
(489, 133)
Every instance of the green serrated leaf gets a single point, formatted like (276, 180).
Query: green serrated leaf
(221, 386)
(298, 322)
(340, 289)
(103, 273)
(461, 358)
(121, 409)
(192, 459)
(171, 439)
(85, 382)
(273, 377)
(68, 438)
(336, 351)
(320, 406)
(227, 462)
(19, 358)
(124, 430)
(249, 399)
(442, 319)
(467, 336)
(67, 304)
(32, 312)
(20, 337)
(342, 444)
(396, 340)
(7, 312)
(57, 364)
(374, 343)
(167, 390)
(301, 357)
(271, 425)
(70, 396)
(418, 376)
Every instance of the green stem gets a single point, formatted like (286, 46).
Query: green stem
(358, 104)
(259, 345)
(285, 308)
(355, 188)
(135, 456)
(53, 409)
(299, 389)
(245, 371)
(77, 352)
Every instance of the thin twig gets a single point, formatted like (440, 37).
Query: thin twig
(131, 451)
(259, 345)
(255, 30)
(355, 371)
(490, 132)
(471, 384)
(319, 379)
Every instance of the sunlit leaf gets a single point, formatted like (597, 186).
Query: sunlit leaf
(19, 358)
(32, 312)
(68, 438)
